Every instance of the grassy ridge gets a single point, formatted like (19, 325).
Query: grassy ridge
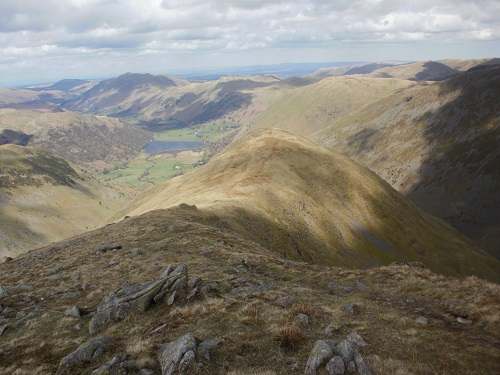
(308, 203)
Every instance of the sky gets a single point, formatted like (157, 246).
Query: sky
(44, 41)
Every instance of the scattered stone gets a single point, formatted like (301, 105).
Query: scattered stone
(108, 246)
(320, 354)
(146, 371)
(303, 319)
(177, 355)
(8, 311)
(464, 321)
(4, 292)
(361, 364)
(416, 264)
(110, 367)
(78, 326)
(344, 288)
(422, 320)
(193, 281)
(134, 252)
(22, 288)
(113, 263)
(71, 295)
(21, 314)
(294, 367)
(2, 330)
(55, 271)
(248, 289)
(350, 308)
(84, 354)
(204, 348)
(285, 301)
(335, 366)
(332, 327)
(73, 311)
(356, 339)
(361, 287)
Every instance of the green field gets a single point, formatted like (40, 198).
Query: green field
(146, 170)
(210, 132)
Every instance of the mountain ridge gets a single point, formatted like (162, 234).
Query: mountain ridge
(308, 203)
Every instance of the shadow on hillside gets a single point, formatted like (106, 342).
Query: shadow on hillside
(459, 179)
(20, 236)
(362, 140)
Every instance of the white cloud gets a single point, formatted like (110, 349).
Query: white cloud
(217, 32)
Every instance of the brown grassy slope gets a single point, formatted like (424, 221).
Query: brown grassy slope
(416, 71)
(309, 203)
(305, 110)
(438, 145)
(148, 101)
(44, 199)
(252, 326)
(81, 139)
(466, 64)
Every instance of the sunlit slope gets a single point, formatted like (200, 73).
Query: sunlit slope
(311, 108)
(160, 102)
(307, 202)
(437, 144)
(44, 199)
(78, 138)
(416, 71)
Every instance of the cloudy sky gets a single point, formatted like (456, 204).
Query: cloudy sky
(43, 41)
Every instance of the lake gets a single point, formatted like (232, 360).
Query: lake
(165, 146)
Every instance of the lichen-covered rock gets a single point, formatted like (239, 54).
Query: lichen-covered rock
(320, 354)
(335, 366)
(303, 319)
(84, 354)
(361, 365)
(345, 349)
(113, 367)
(116, 305)
(355, 339)
(175, 357)
(73, 311)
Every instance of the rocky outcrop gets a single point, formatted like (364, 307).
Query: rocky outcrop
(336, 358)
(84, 354)
(178, 355)
(182, 355)
(175, 284)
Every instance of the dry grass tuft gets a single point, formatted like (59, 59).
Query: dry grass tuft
(289, 335)
(138, 346)
(251, 314)
(305, 309)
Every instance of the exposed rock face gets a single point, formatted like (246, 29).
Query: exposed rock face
(320, 354)
(84, 354)
(139, 297)
(177, 356)
(339, 358)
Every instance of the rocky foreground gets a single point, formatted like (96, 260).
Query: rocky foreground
(175, 291)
